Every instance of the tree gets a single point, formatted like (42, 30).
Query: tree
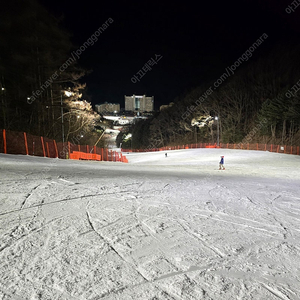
(33, 50)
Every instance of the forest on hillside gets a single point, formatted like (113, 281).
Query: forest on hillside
(40, 84)
(41, 87)
(259, 103)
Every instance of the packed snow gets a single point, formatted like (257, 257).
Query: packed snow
(159, 227)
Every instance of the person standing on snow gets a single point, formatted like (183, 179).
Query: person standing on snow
(221, 163)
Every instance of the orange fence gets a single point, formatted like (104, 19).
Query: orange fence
(12, 142)
(260, 147)
(108, 155)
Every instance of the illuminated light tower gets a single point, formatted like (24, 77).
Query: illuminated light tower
(62, 119)
(218, 131)
(68, 94)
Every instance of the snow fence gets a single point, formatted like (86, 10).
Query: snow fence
(12, 142)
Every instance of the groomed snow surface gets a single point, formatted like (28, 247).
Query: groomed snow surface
(159, 227)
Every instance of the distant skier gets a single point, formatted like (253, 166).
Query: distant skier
(166, 154)
(221, 163)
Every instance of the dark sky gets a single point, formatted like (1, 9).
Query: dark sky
(196, 39)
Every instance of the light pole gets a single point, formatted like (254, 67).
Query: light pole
(218, 131)
(62, 120)
(4, 108)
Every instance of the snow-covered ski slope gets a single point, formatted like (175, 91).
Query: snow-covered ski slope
(159, 227)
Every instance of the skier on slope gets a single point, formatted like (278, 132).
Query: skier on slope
(221, 163)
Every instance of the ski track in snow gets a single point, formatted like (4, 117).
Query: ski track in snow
(156, 228)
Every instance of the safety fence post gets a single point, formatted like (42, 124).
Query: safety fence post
(47, 145)
(4, 141)
(26, 145)
(55, 147)
(43, 146)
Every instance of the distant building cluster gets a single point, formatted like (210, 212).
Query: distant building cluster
(137, 107)
(136, 103)
(133, 104)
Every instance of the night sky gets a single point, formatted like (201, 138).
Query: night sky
(196, 40)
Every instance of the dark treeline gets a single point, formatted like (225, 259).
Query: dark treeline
(35, 69)
(259, 103)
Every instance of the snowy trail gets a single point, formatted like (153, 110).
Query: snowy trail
(156, 228)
